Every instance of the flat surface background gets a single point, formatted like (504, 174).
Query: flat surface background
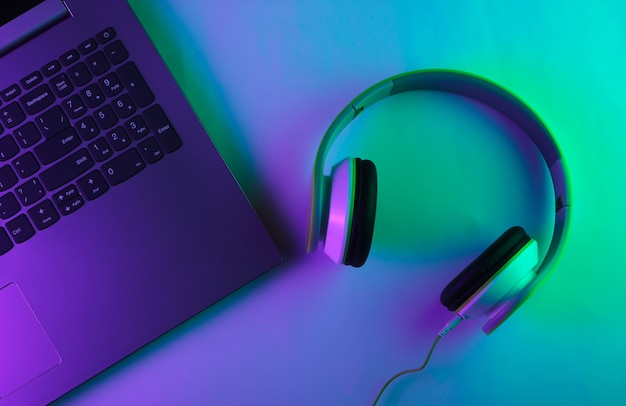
(267, 78)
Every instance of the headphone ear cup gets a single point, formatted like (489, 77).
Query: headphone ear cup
(479, 272)
(364, 214)
(351, 211)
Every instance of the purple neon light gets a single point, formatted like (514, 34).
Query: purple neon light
(340, 210)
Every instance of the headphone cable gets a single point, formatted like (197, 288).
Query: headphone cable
(449, 326)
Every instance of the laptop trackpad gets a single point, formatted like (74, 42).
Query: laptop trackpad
(25, 349)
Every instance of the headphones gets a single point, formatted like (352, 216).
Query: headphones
(500, 279)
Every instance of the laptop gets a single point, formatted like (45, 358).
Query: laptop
(118, 218)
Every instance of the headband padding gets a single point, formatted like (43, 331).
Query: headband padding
(364, 213)
(483, 268)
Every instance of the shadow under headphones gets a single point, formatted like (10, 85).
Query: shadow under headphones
(500, 279)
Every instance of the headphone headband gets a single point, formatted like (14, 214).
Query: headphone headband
(489, 94)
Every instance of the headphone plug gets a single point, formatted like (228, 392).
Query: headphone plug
(450, 325)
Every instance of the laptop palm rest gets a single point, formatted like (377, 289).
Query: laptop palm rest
(25, 349)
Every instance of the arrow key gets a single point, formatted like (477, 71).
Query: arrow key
(63, 196)
(93, 185)
(68, 200)
(43, 215)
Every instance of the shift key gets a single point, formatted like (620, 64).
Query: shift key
(66, 170)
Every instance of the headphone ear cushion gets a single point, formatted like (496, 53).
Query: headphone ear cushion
(364, 213)
(472, 278)
(351, 211)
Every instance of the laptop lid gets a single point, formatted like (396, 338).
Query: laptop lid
(118, 218)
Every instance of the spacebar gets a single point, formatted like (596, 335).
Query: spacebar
(66, 170)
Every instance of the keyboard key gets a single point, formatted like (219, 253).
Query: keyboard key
(150, 150)
(165, 133)
(30, 192)
(51, 68)
(58, 146)
(20, 229)
(100, 149)
(37, 100)
(116, 52)
(12, 115)
(79, 74)
(105, 117)
(52, 122)
(93, 185)
(26, 165)
(5, 242)
(137, 127)
(123, 167)
(137, 87)
(87, 128)
(61, 85)
(124, 106)
(8, 179)
(74, 106)
(9, 206)
(88, 46)
(8, 148)
(111, 85)
(92, 95)
(69, 57)
(64, 195)
(10, 93)
(27, 135)
(32, 80)
(66, 170)
(43, 215)
(98, 64)
(106, 35)
(119, 139)
(68, 200)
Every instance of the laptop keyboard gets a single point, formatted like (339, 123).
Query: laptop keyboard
(72, 130)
